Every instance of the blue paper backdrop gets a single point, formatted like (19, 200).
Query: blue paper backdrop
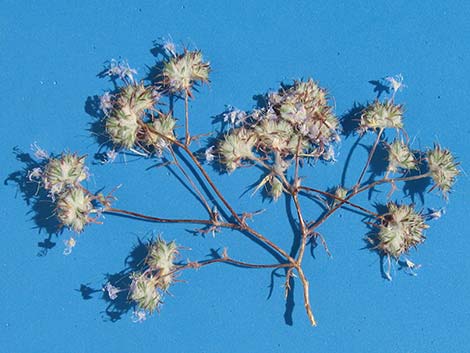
(51, 52)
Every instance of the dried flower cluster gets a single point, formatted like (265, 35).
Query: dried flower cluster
(297, 124)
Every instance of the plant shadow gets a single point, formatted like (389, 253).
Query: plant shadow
(42, 208)
(121, 305)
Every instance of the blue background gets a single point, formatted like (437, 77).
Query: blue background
(51, 52)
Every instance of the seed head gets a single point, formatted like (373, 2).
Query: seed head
(340, 193)
(443, 168)
(402, 228)
(277, 135)
(73, 209)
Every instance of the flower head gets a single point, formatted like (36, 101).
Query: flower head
(443, 168)
(182, 71)
(161, 256)
(381, 116)
(160, 131)
(400, 157)
(73, 209)
(63, 172)
(235, 147)
(402, 228)
(144, 292)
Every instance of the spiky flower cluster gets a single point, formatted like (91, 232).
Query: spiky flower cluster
(182, 71)
(62, 176)
(149, 286)
(442, 167)
(295, 121)
(382, 116)
(401, 228)
(400, 157)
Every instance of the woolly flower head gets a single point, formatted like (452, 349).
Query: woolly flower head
(144, 292)
(381, 116)
(400, 157)
(402, 228)
(235, 147)
(443, 168)
(182, 71)
(73, 209)
(62, 172)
